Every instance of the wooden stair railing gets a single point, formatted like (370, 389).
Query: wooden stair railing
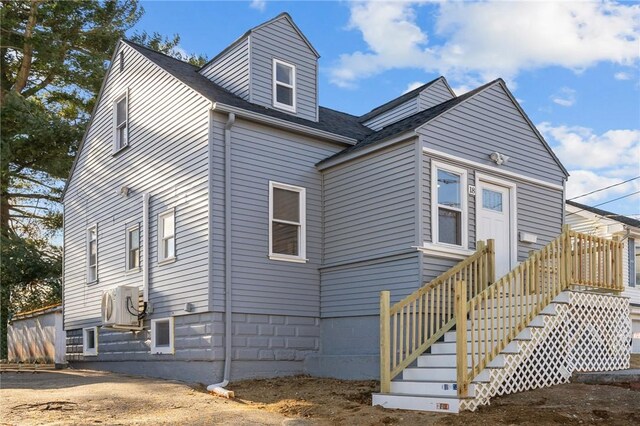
(413, 324)
(502, 310)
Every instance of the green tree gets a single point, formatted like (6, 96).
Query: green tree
(53, 58)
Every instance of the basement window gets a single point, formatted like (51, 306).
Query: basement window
(162, 336)
(284, 85)
(90, 341)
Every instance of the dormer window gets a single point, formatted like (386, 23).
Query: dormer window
(284, 85)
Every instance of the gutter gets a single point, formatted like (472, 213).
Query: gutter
(219, 388)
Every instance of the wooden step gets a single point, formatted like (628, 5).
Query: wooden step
(438, 374)
(435, 403)
(426, 387)
(450, 348)
(449, 360)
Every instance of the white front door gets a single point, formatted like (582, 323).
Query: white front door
(493, 212)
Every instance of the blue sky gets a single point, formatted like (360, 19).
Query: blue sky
(573, 66)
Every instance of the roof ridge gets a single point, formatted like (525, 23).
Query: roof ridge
(125, 40)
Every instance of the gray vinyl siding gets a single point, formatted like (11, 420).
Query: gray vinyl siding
(539, 213)
(167, 157)
(488, 122)
(403, 110)
(354, 290)
(261, 154)
(370, 205)
(231, 69)
(433, 95)
(433, 266)
(280, 40)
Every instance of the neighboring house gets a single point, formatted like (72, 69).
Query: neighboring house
(37, 336)
(602, 223)
(260, 227)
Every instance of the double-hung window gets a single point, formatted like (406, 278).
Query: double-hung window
(449, 205)
(92, 254)
(121, 123)
(287, 222)
(284, 85)
(133, 248)
(167, 236)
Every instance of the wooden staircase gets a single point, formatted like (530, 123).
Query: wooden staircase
(426, 366)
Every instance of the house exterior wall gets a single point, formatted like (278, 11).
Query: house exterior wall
(488, 122)
(435, 94)
(279, 39)
(403, 110)
(263, 346)
(230, 69)
(260, 154)
(167, 157)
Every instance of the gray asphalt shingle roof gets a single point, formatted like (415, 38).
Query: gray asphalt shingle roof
(330, 120)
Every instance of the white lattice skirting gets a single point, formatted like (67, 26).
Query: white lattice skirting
(591, 333)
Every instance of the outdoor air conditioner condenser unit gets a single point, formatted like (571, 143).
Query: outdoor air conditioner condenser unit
(120, 307)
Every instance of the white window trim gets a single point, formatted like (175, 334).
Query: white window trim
(88, 254)
(128, 267)
(435, 244)
(162, 349)
(124, 96)
(165, 260)
(302, 241)
(275, 83)
(85, 350)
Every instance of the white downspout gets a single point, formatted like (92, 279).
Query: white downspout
(145, 250)
(219, 388)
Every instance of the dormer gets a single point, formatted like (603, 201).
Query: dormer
(424, 97)
(272, 65)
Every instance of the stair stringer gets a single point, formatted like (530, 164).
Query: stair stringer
(590, 333)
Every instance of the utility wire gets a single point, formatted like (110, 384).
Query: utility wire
(606, 202)
(602, 189)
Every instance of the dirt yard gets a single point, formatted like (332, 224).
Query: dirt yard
(89, 397)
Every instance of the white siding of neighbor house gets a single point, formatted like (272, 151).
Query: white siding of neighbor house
(231, 69)
(435, 94)
(261, 154)
(279, 39)
(403, 110)
(167, 157)
(488, 122)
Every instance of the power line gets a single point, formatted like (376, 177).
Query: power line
(606, 202)
(602, 189)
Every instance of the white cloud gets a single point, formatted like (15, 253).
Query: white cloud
(565, 97)
(584, 181)
(258, 5)
(622, 76)
(489, 39)
(578, 147)
(413, 86)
